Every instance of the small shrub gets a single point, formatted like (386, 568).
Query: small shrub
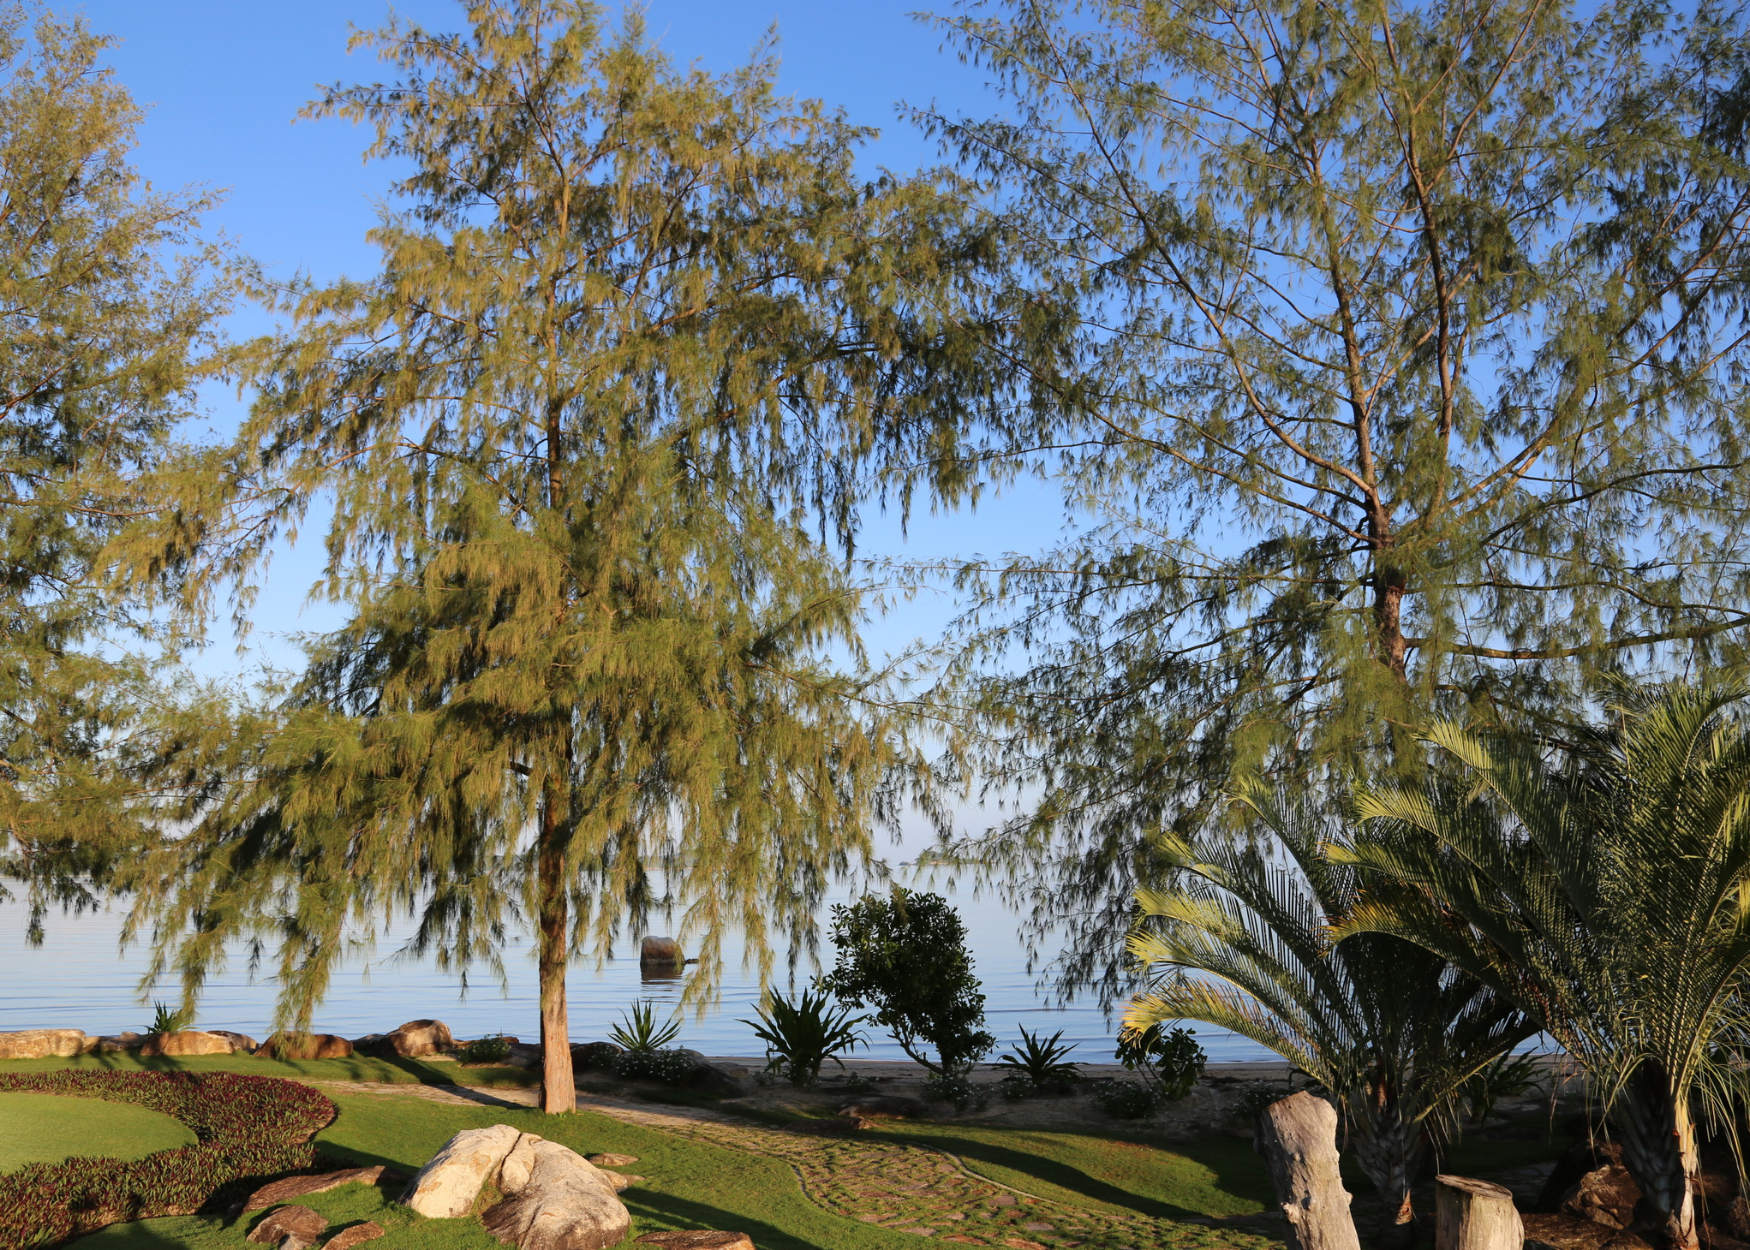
(802, 1035)
(164, 1020)
(858, 1083)
(1016, 1086)
(1129, 1100)
(671, 1067)
(492, 1049)
(955, 1088)
(247, 1127)
(638, 1031)
(1171, 1057)
(1040, 1063)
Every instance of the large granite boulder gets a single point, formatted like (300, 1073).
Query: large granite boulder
(555, 1200)
(45, 1044)
(446, 1187)
(240, 1042)
(119, 1043)
(660, 952)
(186, 1042)
(288, 1045)
(419, 1037)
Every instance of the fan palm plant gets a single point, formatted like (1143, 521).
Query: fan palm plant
(1608, 893)
(1392, 1031)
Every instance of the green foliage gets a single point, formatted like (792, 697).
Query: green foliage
(1040, 1063)
(1602, 888)
(1510, 1076)
(110, 302)
(1254, 1097)
(802, 1035)
(247, 1127)
(1244, 942)
(638, 1032)
(167, 1020)
(1369, 381)
(1170, 1057)
(633, 327)
(905, 955)
(671, 1067)
(1130, 1100)
(957, 1088)
(493, 1049)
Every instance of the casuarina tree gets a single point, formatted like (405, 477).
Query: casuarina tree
(109, 300)
(905, 956)
(1389, 356)
(1602, 889)
(587, 438)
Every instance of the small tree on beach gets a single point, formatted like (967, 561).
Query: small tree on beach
(905, 956)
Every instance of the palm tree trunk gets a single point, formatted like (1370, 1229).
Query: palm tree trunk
(1390, 1152)
(1659, 1150)
(558, 1088)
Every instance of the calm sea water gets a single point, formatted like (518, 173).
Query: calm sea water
(78, 979)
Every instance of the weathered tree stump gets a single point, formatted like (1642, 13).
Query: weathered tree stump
(1475, 1215)
(1297, 1136)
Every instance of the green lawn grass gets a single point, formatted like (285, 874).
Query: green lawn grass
(692, 1185)
(46, 1128)
(1127, 1173)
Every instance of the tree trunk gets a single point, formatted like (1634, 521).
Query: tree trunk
(1390, 1152)
(1475, 1215)
(558, 1088)
(1658, 1148)
(1298, 1137)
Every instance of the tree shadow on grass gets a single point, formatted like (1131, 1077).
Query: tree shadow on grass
(1236, 1175)
(668, 1211)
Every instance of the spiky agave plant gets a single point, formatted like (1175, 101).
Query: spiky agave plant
(800, 1036)
(1608, 892)
(1041, 1062)
(1243, 942)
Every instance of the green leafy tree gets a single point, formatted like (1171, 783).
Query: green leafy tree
(1603, 892)
(905, 956)
(108, 302)
(1391, 1030)
(582, 437)
(1389, 357)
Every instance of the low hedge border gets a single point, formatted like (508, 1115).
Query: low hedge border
(247, 1128)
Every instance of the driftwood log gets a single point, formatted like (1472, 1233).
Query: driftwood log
(1297, 1136)
(1475, 1215)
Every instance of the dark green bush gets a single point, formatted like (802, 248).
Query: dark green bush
(955, 1088)
(1129, 1100)
(492, 1049)
(1171, 1057)
(249, 1128)
(669, 1066)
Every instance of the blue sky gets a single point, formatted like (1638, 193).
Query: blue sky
(223, 82)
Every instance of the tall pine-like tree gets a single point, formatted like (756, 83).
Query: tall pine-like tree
(1392, 357)
(589, 438)
(109, 300)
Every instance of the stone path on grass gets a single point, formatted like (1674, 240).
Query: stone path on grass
(913, 1189)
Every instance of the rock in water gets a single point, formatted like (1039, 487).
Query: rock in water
(290, 1228)
(698, 1239)
(557, 1200)
(663, 952)
(347, 1238)
(298, 1186)
(44, 1044)
(446, 1187)
(420, 1037)
(186, 1042)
